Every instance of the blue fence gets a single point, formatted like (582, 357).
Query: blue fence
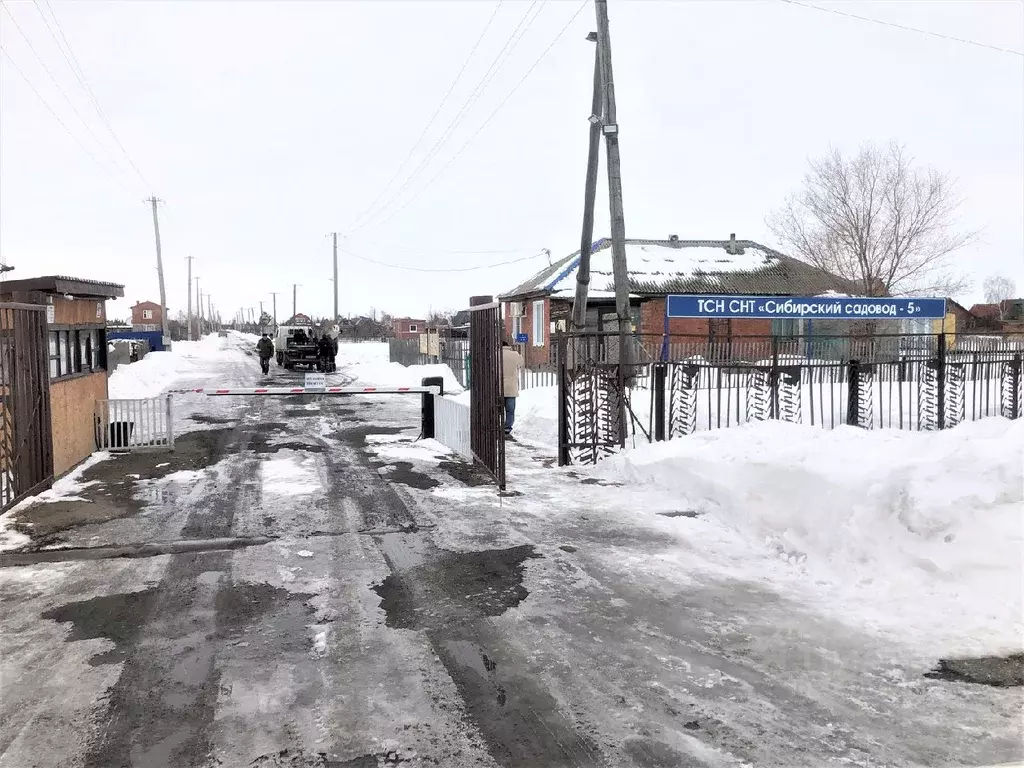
(153, 338)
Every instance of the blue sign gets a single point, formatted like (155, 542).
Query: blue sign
(805, 307)
(522, 338)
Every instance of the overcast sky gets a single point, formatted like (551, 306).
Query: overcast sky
(266, 125)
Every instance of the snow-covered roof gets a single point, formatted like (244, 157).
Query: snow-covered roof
(658, 267)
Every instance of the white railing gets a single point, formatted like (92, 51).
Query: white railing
(530, 379)
(451, 426)
(125, 425)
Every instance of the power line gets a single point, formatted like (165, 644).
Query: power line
(445, 250)
(474, 96)
(433, 117)
(46, 69)
(447, 269)
(79, 73)
(489, 117)
(78, 141)
(904, 27)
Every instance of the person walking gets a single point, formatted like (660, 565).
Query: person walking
(512, 364)
(265, 348)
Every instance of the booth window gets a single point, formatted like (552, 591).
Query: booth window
(74, 352)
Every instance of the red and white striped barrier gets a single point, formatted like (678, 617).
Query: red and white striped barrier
(319, 391)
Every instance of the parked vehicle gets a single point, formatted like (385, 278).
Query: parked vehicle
(296, 346)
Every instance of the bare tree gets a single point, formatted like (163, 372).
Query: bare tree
(878, 221)
(998, 288)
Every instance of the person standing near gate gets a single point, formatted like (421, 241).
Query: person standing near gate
(512, 364)
(265, 347)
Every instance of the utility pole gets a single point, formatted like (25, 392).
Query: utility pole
(209, 310)
(334, 235)
(189, 260)
(160, 274)
(579, 308)
(295, 299)
(199, 302)
(274, 294)
(610, 129)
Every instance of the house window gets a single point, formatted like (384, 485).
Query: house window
(54, 355)
(147, 314)
(517, 326)
(787, 327)
(412, 327)
(65, 353)
(538, 324)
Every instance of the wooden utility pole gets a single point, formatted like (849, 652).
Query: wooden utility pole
(295, 299)
(272, 293)
(160, 274)
(610, 129)
(579, 307)
(334, 236)
(209, 310)
(199, 302)
(189, 260)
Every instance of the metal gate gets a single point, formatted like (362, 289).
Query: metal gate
(26, 445)
(126, 425)
(487, 404)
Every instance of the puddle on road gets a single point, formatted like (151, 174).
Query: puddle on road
(648, 753)
(466, 473)
(261, 446)
(241, 604)
(201, 418)
(118, 618)
(680, 513)
(455, 587)
(997, 671)
(297, 758)
(402, 472)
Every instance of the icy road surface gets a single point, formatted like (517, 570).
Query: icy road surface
(300, 584)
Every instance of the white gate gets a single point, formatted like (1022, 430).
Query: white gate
(451, 426)
(126, 425)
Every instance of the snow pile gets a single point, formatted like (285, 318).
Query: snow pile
(68, 488)
(158, 371)
(917, 534)
(369, 364)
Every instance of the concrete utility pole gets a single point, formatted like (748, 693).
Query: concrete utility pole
(334, 236)
(610, 129)
(189, 260)
(209, 310)
(295, 299)
(272, 293)
(579, 307)
(199, 302)
(160, 274)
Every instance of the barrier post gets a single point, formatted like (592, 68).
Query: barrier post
(427, 413)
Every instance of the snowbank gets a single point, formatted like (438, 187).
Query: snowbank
(369, 364)
(918, 534)
(158, 371)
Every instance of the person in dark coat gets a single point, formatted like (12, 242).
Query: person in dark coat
(323, 353)
(265, 348)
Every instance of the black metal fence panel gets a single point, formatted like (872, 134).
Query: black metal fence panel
(907, 382)
(487, 404)
(26, 445)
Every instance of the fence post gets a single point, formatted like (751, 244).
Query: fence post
(658, 371)
(773, 381)
(1015, 393)
(941, 376)
(170, 423)
(563, 417)
(853, 395)
(427, 412)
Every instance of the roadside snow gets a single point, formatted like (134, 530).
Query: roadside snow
(917, 534)
(68, 488)
(369, 364)
(158, 371)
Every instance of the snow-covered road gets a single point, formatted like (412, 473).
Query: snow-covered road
(320, 590)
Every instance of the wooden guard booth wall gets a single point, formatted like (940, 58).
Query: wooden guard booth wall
(77, 357)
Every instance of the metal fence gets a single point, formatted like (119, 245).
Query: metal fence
(406, 351)
(127, 425)
(918, 383)
(26, 445)
(452, 426)
(487, 407)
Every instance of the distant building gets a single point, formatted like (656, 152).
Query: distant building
(147, 316)
(408, 328)
(542, 305)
